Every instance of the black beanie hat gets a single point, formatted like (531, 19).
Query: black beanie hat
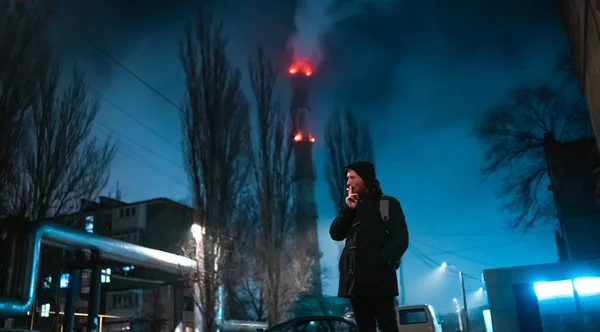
(364, 169)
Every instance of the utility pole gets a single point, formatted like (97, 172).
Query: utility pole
(464, 296)
(402, 288)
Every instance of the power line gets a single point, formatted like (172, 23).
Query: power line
(144, 162)
(120, 109)
(503, 244)
(455, 255)
(118, 63)
(139, 144)
(477, 233)
(436, 265)
(422, 257)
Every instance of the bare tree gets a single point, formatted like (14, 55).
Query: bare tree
(283, 269)
(118, 193)
(62, 163)
(216, 127)
(21, 48)
(512, 136)
(154, 309)
(347, 140)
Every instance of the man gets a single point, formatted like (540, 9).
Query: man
(374, 246)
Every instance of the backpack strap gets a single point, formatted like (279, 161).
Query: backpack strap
(384, 208)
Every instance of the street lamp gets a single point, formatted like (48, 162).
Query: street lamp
(464, 295)
(197, 232)
(460, 326)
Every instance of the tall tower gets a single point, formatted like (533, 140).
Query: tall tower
(304, 176)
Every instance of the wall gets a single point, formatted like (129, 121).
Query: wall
(582, 23)
(505, 305)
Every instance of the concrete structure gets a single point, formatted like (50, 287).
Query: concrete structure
(304, 177)
(547, 297)
(574, 183)
(582, 23)
(142, 297)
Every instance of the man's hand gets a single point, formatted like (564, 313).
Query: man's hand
(352, 198)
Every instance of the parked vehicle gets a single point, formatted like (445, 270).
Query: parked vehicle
(414, 318)
(418, 318)
(315, 324)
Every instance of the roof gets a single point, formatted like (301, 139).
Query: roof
(105, 204)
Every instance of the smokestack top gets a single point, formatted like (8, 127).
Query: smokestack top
(300, 137)
(300, 67)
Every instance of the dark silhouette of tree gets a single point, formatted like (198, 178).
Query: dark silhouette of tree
(55, 162)
(282, 268)
(512, 136)
(61, 162)
(348, 140)
(22, 47)
(118, 193)
(217, 145)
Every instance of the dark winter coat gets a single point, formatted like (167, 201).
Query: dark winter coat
(372, 247)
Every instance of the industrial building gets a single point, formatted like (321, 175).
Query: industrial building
(563, 296)
(132, 297)
(582, 23)
(548, 297)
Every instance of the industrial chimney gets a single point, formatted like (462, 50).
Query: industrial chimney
(304, 176)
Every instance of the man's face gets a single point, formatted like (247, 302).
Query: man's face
(354, 181)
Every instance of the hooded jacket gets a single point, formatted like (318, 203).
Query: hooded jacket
(372, 247)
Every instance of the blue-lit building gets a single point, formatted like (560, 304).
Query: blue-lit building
(562, 296)
(549, 297)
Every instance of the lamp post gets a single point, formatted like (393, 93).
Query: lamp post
(464, 295)
(460, 325)
(197, 232)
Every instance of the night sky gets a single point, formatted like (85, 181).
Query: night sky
(420, 72)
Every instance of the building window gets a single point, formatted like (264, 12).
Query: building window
(45, 310)
(48, 282)
(127, 211)
(126, 300)
(89, 224)
(105, 276)
(64, 280)
(128, 268)
(131, 236)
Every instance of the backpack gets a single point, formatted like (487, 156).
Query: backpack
(384, 209)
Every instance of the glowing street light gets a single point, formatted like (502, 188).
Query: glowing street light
(460, 325)
(464, 295)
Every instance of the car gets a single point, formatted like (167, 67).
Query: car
(315, 324)
(418, 318)
(414, 318)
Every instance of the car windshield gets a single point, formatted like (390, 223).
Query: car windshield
(316, 325)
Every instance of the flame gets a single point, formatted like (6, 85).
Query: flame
(300, 67)
(299, 137)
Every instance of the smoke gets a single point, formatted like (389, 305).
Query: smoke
(311, 20)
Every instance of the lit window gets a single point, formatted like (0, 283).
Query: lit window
(45, 310)
(105, 276)
(128, 268)
(64, 280)
(89, 224)
(587, 286)
(545, 290)
(48, 282)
